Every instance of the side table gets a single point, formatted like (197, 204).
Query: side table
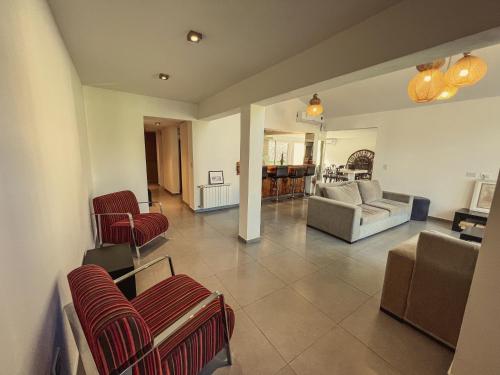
(117, 260)
(466, 214)
(475, 234)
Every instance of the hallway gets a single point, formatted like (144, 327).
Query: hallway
(306, 302)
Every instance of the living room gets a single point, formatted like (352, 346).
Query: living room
(255, 286)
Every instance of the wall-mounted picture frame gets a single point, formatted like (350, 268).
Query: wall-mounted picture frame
(483, 195)
(215, 177)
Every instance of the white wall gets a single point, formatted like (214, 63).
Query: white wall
(116, 137)
(338, 151)
(170, 159)
(216, 146)
(44, 169)
(428, 149)
(477, 348)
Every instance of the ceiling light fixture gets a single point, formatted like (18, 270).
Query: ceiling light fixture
(428, 84)
(163, 76)
(467, 71)
(194, 36)
(432, 84)
(448, 92)
(314, 108)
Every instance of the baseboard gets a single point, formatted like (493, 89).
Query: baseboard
(199, 210)
(255, 240)
(441, 219)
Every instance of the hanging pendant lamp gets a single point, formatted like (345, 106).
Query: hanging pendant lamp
(428, 84)
(467, 71)
(314, 108)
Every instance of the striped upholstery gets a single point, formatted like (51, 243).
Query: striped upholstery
(116, 228)
(118, 330)
(116, 333)
(192, 347)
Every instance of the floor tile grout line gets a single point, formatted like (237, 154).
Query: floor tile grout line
(264, 335)
(370, 349)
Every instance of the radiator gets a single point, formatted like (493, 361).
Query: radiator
(213, 196)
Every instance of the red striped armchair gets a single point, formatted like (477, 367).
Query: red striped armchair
(118, 220)
(175, 327)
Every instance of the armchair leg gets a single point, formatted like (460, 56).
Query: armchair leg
(137, 252)
(226, 329)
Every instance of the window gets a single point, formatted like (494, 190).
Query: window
(299, 150)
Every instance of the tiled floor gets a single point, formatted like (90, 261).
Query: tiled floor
(306, 302)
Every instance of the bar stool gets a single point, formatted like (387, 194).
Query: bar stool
(264, 176)
(295, 174)
(310, 171)
(280, 174)
(264, 172)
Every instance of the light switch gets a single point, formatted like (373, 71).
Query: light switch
(470, 174)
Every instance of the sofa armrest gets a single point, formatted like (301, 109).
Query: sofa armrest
(337, 218)
(399, 197)
(398, 275)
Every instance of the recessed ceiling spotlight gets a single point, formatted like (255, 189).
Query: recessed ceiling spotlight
(157, 123)
(163, 76)
(194, 36)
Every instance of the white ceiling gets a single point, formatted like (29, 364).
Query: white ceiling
(123, 44)
(150, 123)
(389, 91)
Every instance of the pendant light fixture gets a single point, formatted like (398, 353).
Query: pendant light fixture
(428, 84)
(467, 71)
(448, 92)
(314, 108)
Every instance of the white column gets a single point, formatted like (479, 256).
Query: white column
(251, 149)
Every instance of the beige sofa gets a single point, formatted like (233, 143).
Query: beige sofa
(427, 282)
(356, 209)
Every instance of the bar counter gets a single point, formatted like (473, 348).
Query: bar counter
(285, 184)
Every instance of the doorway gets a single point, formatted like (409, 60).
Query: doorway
(168, 161)
(151, 157)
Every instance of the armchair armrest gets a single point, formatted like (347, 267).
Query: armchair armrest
(399, 197)
(154, 202)
(334, 217)
(146, 266)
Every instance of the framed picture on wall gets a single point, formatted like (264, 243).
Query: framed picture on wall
(483, 195)
(216, 177)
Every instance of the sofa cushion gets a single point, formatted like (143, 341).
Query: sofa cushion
(320, 187)
(370, 191)
(146, 227)
(371, 214)
(347, 193)
(394, 207)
